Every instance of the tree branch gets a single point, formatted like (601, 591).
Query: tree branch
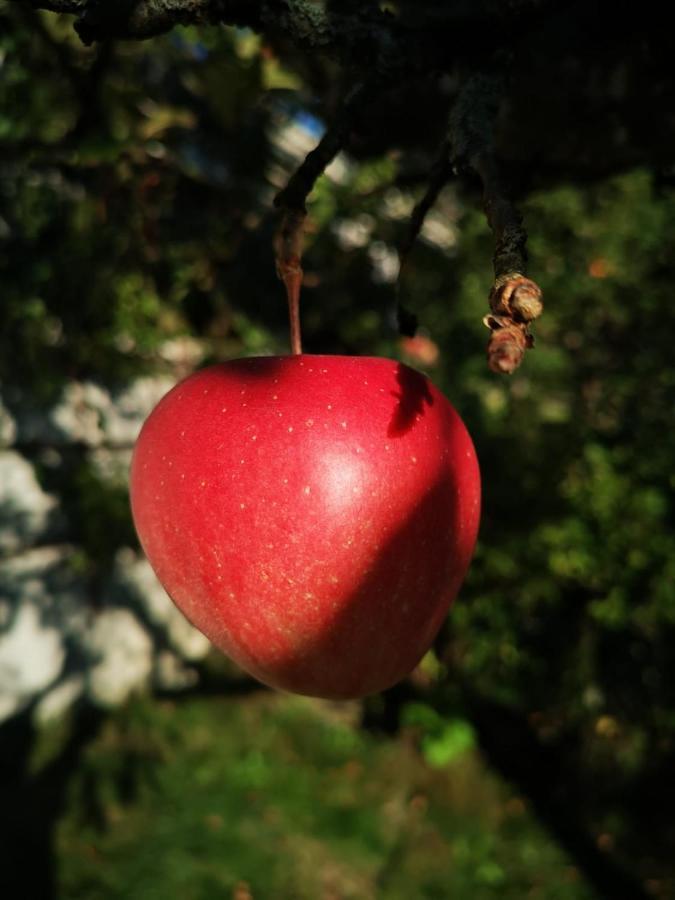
(69, 7)
(515, 300)
(353, 35)
(299, 186)
(140, 19)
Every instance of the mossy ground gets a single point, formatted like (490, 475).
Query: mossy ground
(269, 796)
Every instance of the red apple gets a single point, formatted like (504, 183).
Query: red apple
(314, 516)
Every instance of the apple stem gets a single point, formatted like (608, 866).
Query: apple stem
(288, 252)
(293, 282)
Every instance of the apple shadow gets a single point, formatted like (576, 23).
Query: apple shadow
(390, 619)
(413, 397)
(248, 368)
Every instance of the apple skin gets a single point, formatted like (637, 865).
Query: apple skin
(313, 516)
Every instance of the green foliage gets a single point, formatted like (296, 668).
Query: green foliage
(443, 739)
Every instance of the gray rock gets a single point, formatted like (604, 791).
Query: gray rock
(170, 673)
(85, 413)
(27, 513)
(135, 580)
(75, 418)
(122, 657)
(46, 577)
(7, 427)
(111, 465)
(183, 352)
(55, 647)
(123, 419)
(32, 655)
(43, 614)
(56, 702)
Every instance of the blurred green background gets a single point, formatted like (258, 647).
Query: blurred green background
(531, 756)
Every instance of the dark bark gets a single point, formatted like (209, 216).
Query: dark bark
(31, 804)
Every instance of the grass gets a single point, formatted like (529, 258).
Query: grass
(284, 798)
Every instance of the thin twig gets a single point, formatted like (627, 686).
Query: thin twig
(515, 300)
(441, 173)
(292, 202)
(300, 185)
